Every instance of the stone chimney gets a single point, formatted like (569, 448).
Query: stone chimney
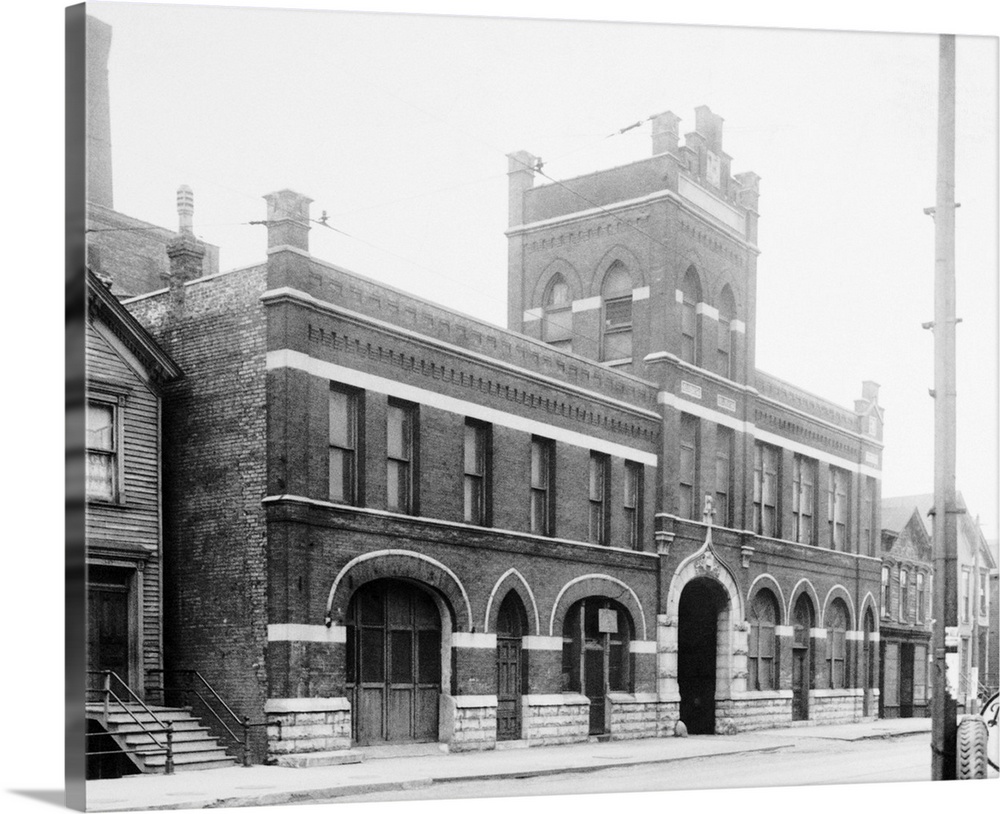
(186, 252)
(288, 219)
(869, 391)
(99, 179)
(709, 126)
(665, 133)
(520, 178)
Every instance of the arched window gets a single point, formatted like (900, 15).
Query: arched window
(690, 297)
(761, 647)
(836, 644)
(616, 291)
(885, 596)
(557, 316)
(803, 672)
(727, 313)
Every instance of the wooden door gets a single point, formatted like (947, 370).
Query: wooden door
(393, 663)
(108, 629)
(511, 626)
(906, 681)
(800, 683)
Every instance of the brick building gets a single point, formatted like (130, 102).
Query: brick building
(906, 606)
(391, 522)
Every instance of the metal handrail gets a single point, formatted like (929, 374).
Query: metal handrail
(243, 721)
(108, 693)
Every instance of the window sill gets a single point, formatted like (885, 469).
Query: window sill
(107, 504)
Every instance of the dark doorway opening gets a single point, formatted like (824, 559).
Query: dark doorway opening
(393, 663)
(906, 655)
(803, 619)
(512, 624)
(697, 649)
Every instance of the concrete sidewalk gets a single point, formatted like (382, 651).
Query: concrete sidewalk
(274, 785)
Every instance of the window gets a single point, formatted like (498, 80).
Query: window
(836, 643)
(542, 487)
(904, 577)
(838, 500)
(761, 642)
(765, 490)
(966, 576)
(885, 592)
(804, 499)
(632, 508)
(869, 518)
(103, 461)
(557, 327)
(617, 295)
(687, 503)
(921, 598)
(475, 480)
(401, 447)
(690, 297)
(723, 474)
(600, 484)
(727, 313)
(982, 592)
(344, 432)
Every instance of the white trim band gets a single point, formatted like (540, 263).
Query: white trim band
(532, 314)
(279, 705)
(542, 643)
(642, 647)
(296, 360)
(640, 293)
(588, 304)
(707, 310)
(335, 634)
(476, 641)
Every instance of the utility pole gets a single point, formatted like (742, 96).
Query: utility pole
(944, 723)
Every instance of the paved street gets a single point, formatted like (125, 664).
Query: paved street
(809, 761)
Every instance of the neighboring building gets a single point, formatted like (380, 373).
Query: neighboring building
(126, 373)
(905, 603)
(975, 645)
(391, 522)
(992, 680)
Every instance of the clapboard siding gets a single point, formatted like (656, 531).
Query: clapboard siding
(135, 521)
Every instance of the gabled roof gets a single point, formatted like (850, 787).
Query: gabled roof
(102, 304)
(896, 511)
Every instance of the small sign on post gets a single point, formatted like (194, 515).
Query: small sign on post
(607, 620)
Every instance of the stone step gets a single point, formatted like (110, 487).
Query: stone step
(138, 736)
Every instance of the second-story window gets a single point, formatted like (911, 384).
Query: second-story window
(982, 592)
(966, 575)
(688, 506)
(765, 489)
(344, 434)
(904, 578)
(542, 487)
(869, 519)
(838, 508)
(557, 314)
(885, 597)
(600, 484)
(921, 597)
(727, 313)
(476, 481)
(103, 451)
(632, 507)
(401, 450)
(723, 474)
(690, 297)
(804, 499)
(836, 644)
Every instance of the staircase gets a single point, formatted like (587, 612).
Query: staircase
(137, 730)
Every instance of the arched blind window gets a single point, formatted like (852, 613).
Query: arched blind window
(557, 325)
(836, 644)
(727, 313)
(691, 296)
(761, 644)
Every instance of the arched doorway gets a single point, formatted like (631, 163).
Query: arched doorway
(802, 666)
(868, 662)
(512, 623)
(597, 633)
(697, 647)
(393, 663)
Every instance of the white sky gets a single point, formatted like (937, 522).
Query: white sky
(398, 126)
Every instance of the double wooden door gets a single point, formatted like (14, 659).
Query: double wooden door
(393, 663)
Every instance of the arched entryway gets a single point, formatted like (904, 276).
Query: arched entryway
(701, 602)
(393, 663)
(597, 633)
(803, 620)
(512, 624)
(868, 662)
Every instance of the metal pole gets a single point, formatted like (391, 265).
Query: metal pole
(944, 725)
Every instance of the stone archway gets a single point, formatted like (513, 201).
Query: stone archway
(702, 611)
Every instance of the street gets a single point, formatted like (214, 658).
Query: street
(810, 761)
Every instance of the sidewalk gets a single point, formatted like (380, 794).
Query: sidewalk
(274, 785)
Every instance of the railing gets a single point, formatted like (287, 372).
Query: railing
(109, 697)
(191, 684)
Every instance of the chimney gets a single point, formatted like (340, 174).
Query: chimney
(708, 125)
(665, 134)
(186, 252)
(869, 391)
(98, 45)
(288, 220)
(520, 178)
